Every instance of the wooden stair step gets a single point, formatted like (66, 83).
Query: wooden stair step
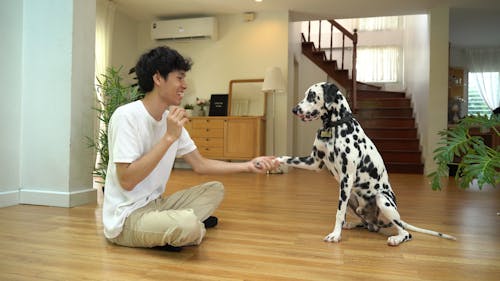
(401, 156)
(384, 132)
(384, 103)
(365, 113)
(380, 122)
(404, 168)
(331, 64)
(396, 144)
(370, 94)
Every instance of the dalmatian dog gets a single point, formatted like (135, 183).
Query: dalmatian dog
(342, 146)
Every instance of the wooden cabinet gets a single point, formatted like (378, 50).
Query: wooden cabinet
(228, 137)
(456, 82)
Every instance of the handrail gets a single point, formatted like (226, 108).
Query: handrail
(354, 38)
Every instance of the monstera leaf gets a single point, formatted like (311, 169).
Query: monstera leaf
(476, 160)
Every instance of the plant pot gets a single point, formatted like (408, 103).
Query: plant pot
(452, 169)
(201, 112)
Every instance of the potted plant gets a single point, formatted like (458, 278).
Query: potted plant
(474, 160)
(189, 109)
(202, 103)
(112, 95)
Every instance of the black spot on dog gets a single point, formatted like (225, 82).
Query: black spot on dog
(331, 157)
(367, 159)
(342, 195)
(321, 154)
(365, 185)
(373, 173)
(311, 96)
(398, 223)
(307, 160)
(330, 92)
(344, 162)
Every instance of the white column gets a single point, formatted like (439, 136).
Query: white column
(57, 99)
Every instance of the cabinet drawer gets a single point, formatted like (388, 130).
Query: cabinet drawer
(210, 142)
(207, 123)
(206, 132)
(215, 152)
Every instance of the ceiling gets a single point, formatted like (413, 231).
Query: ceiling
(147, 10)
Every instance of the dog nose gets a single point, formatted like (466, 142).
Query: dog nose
(295, 110)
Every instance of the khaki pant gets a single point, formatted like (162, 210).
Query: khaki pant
(175, 220)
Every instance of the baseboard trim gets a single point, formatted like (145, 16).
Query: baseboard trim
(56, 198)
(9, 198)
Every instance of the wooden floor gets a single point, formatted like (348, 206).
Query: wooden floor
(271, 228)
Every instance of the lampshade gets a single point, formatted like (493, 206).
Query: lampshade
(273, 80)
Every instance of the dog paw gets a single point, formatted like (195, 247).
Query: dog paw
(332, 237)
(282, 159)
(398, 239)
(352, 225)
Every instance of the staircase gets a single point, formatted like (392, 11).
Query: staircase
(386, 117)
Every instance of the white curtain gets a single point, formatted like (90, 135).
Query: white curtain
(105, 15)
(377, 23)
(378, 64)
(484, 63)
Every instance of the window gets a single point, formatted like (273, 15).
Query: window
(476, 103)
(378, 23)
(378, 64)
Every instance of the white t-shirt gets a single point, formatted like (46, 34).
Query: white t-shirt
(132, 132)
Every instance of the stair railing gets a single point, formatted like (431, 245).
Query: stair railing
(345, 33)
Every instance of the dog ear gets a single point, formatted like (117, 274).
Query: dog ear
(329, 92)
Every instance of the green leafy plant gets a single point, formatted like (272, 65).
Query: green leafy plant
(188, 106)
(474, 159)
(113, 94)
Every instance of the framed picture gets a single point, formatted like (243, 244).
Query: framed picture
(218, 105)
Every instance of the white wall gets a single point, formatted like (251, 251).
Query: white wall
(307, 73)
(243, 50)
(11, 24)
(474, 27)
(124, 45)
(437, 104)
(416, 72)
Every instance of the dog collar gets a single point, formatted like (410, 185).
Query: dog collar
(346, 119)
(325, 133)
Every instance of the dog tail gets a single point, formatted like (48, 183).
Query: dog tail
(426, 231)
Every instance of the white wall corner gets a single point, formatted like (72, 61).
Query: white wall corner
(9, 198)
(57, 199)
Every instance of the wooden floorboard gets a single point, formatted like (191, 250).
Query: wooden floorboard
(271, 228)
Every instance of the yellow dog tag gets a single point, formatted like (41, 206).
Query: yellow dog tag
(326, 134)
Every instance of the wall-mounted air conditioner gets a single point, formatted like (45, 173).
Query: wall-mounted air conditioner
(192, 28)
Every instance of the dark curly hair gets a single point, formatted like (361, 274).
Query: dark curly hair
(162, 60)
